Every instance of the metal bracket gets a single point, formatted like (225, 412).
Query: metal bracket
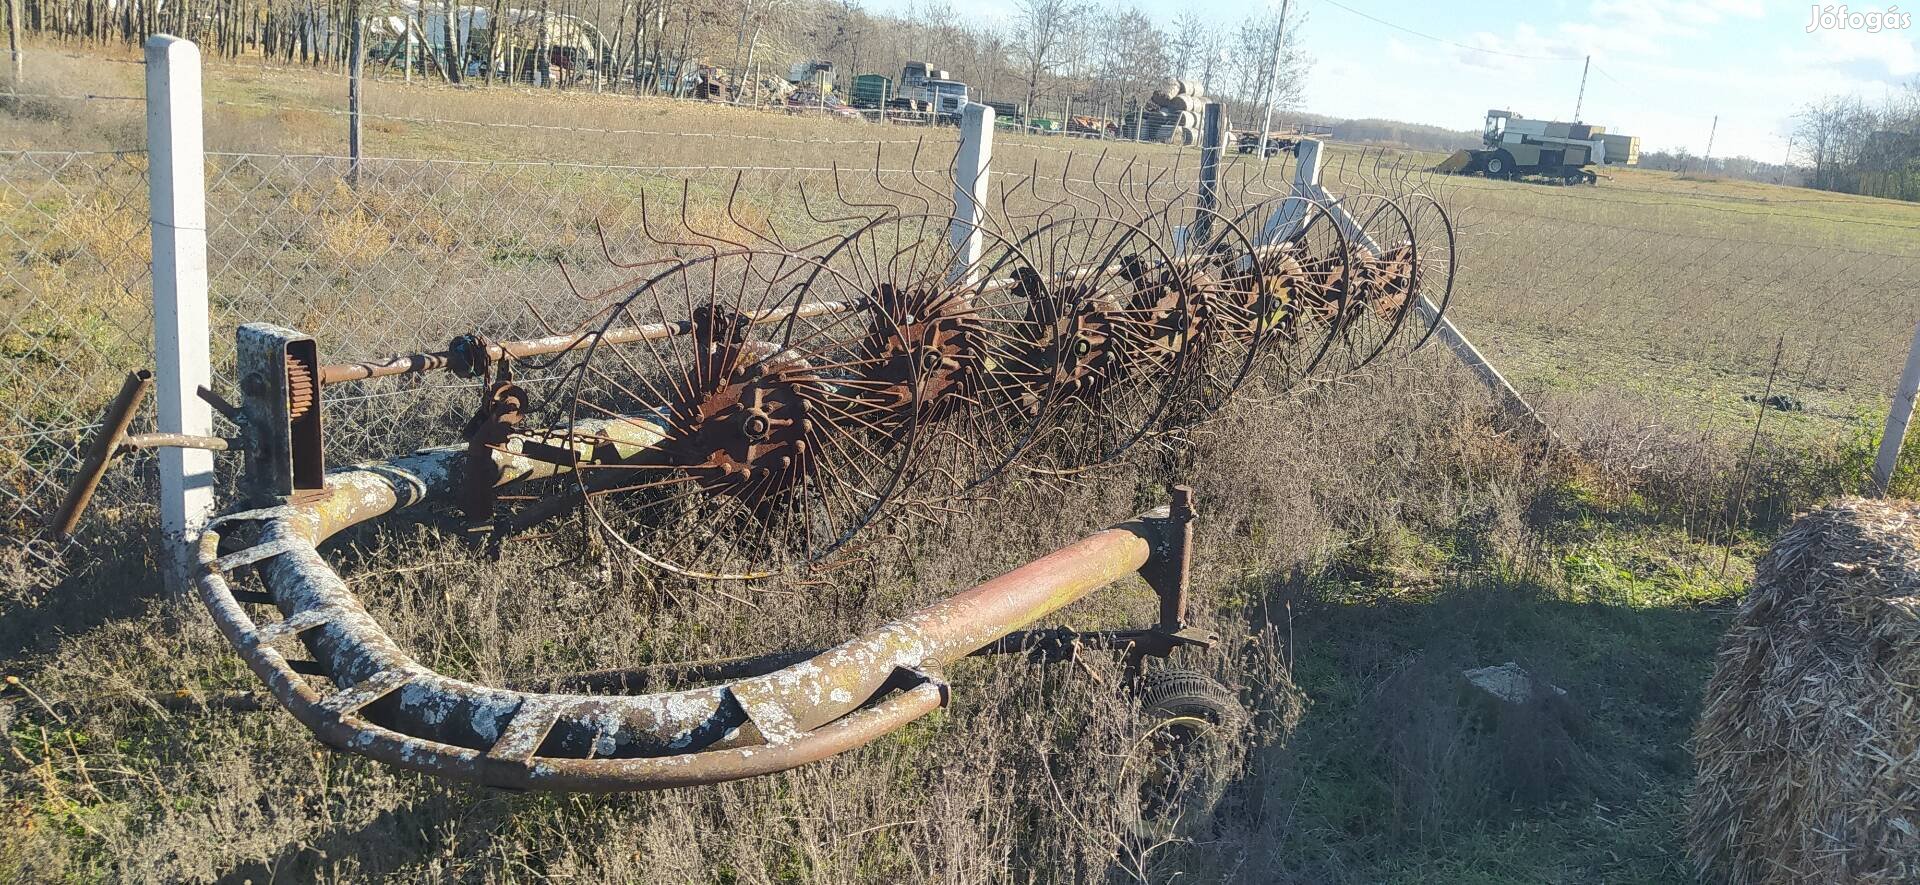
(1167, 570)
(490, 428)
(280, 393)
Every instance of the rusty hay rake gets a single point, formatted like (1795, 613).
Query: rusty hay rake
(750, 407)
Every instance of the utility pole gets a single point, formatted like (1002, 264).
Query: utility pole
(1708, 159)
(353, 95)
(1273, 77)
(1581, 99)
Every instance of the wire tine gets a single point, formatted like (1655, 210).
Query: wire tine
(806, 204)
(686, 220)
(646, 226)
(1066, 182)
(771, 237)
(881, 209)
(879, 178)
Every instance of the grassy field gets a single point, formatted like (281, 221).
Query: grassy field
(1362, 543)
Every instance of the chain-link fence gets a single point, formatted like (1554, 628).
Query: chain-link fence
(75, 315)
(387, 255)
(1668, 305)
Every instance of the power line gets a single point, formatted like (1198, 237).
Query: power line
(1617, 82)
(1424, 35)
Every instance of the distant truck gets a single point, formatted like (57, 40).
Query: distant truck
(871, 91)
(925, 89)
(1513, 146)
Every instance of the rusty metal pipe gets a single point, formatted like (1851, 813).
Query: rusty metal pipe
(416, 363)
(388, 706)
(100, 452)
(440, 360)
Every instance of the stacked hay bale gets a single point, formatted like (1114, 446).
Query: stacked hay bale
(1808, 750)
(1173, 114)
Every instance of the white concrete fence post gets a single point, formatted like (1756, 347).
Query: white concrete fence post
(177, 193)
(971, 166)
(1306, 189)
(1895, 434)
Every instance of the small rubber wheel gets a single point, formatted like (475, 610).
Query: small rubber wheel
(1186, 752)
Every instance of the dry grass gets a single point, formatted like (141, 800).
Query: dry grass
(1020, 781)
(1807, 746)
(1359, 542)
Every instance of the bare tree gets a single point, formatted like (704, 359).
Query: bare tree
(450, 33)
(1131, 56)
(1192, 37)
(1044, 31)
(1831, 133)
(1211, 45)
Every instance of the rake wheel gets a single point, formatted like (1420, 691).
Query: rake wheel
(953, 343)
(1433, 268)
(777, 447)
(1303, 287)
(1231, 313)
(1113, 327)
(1380, 255)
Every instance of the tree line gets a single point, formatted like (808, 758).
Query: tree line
(1852, 146)
(1686, 162)
(1052, 56)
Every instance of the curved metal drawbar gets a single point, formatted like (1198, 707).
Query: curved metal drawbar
(382, 703)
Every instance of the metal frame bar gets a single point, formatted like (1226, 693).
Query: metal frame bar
(100, 452)
(1307, 183)
(386, 705)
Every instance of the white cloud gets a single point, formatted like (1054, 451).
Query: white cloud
(1643, 26)
(1611, 40)
(1398, 50)
(1712, 12)
(1891, 50)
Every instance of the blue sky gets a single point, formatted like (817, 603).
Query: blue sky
(1663, 68)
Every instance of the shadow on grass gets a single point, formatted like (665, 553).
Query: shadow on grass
(114, 579)
(389, 841)
(1400, 772)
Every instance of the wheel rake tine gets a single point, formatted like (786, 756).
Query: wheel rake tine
(799, 392)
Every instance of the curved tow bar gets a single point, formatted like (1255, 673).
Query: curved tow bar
(377, 701)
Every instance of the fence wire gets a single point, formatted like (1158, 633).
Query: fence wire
(1670, 301)
(1624, 312)
(76, 315)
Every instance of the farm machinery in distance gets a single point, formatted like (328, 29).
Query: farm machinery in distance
(1513, 146)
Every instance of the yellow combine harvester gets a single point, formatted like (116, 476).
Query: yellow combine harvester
(1514, 146)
